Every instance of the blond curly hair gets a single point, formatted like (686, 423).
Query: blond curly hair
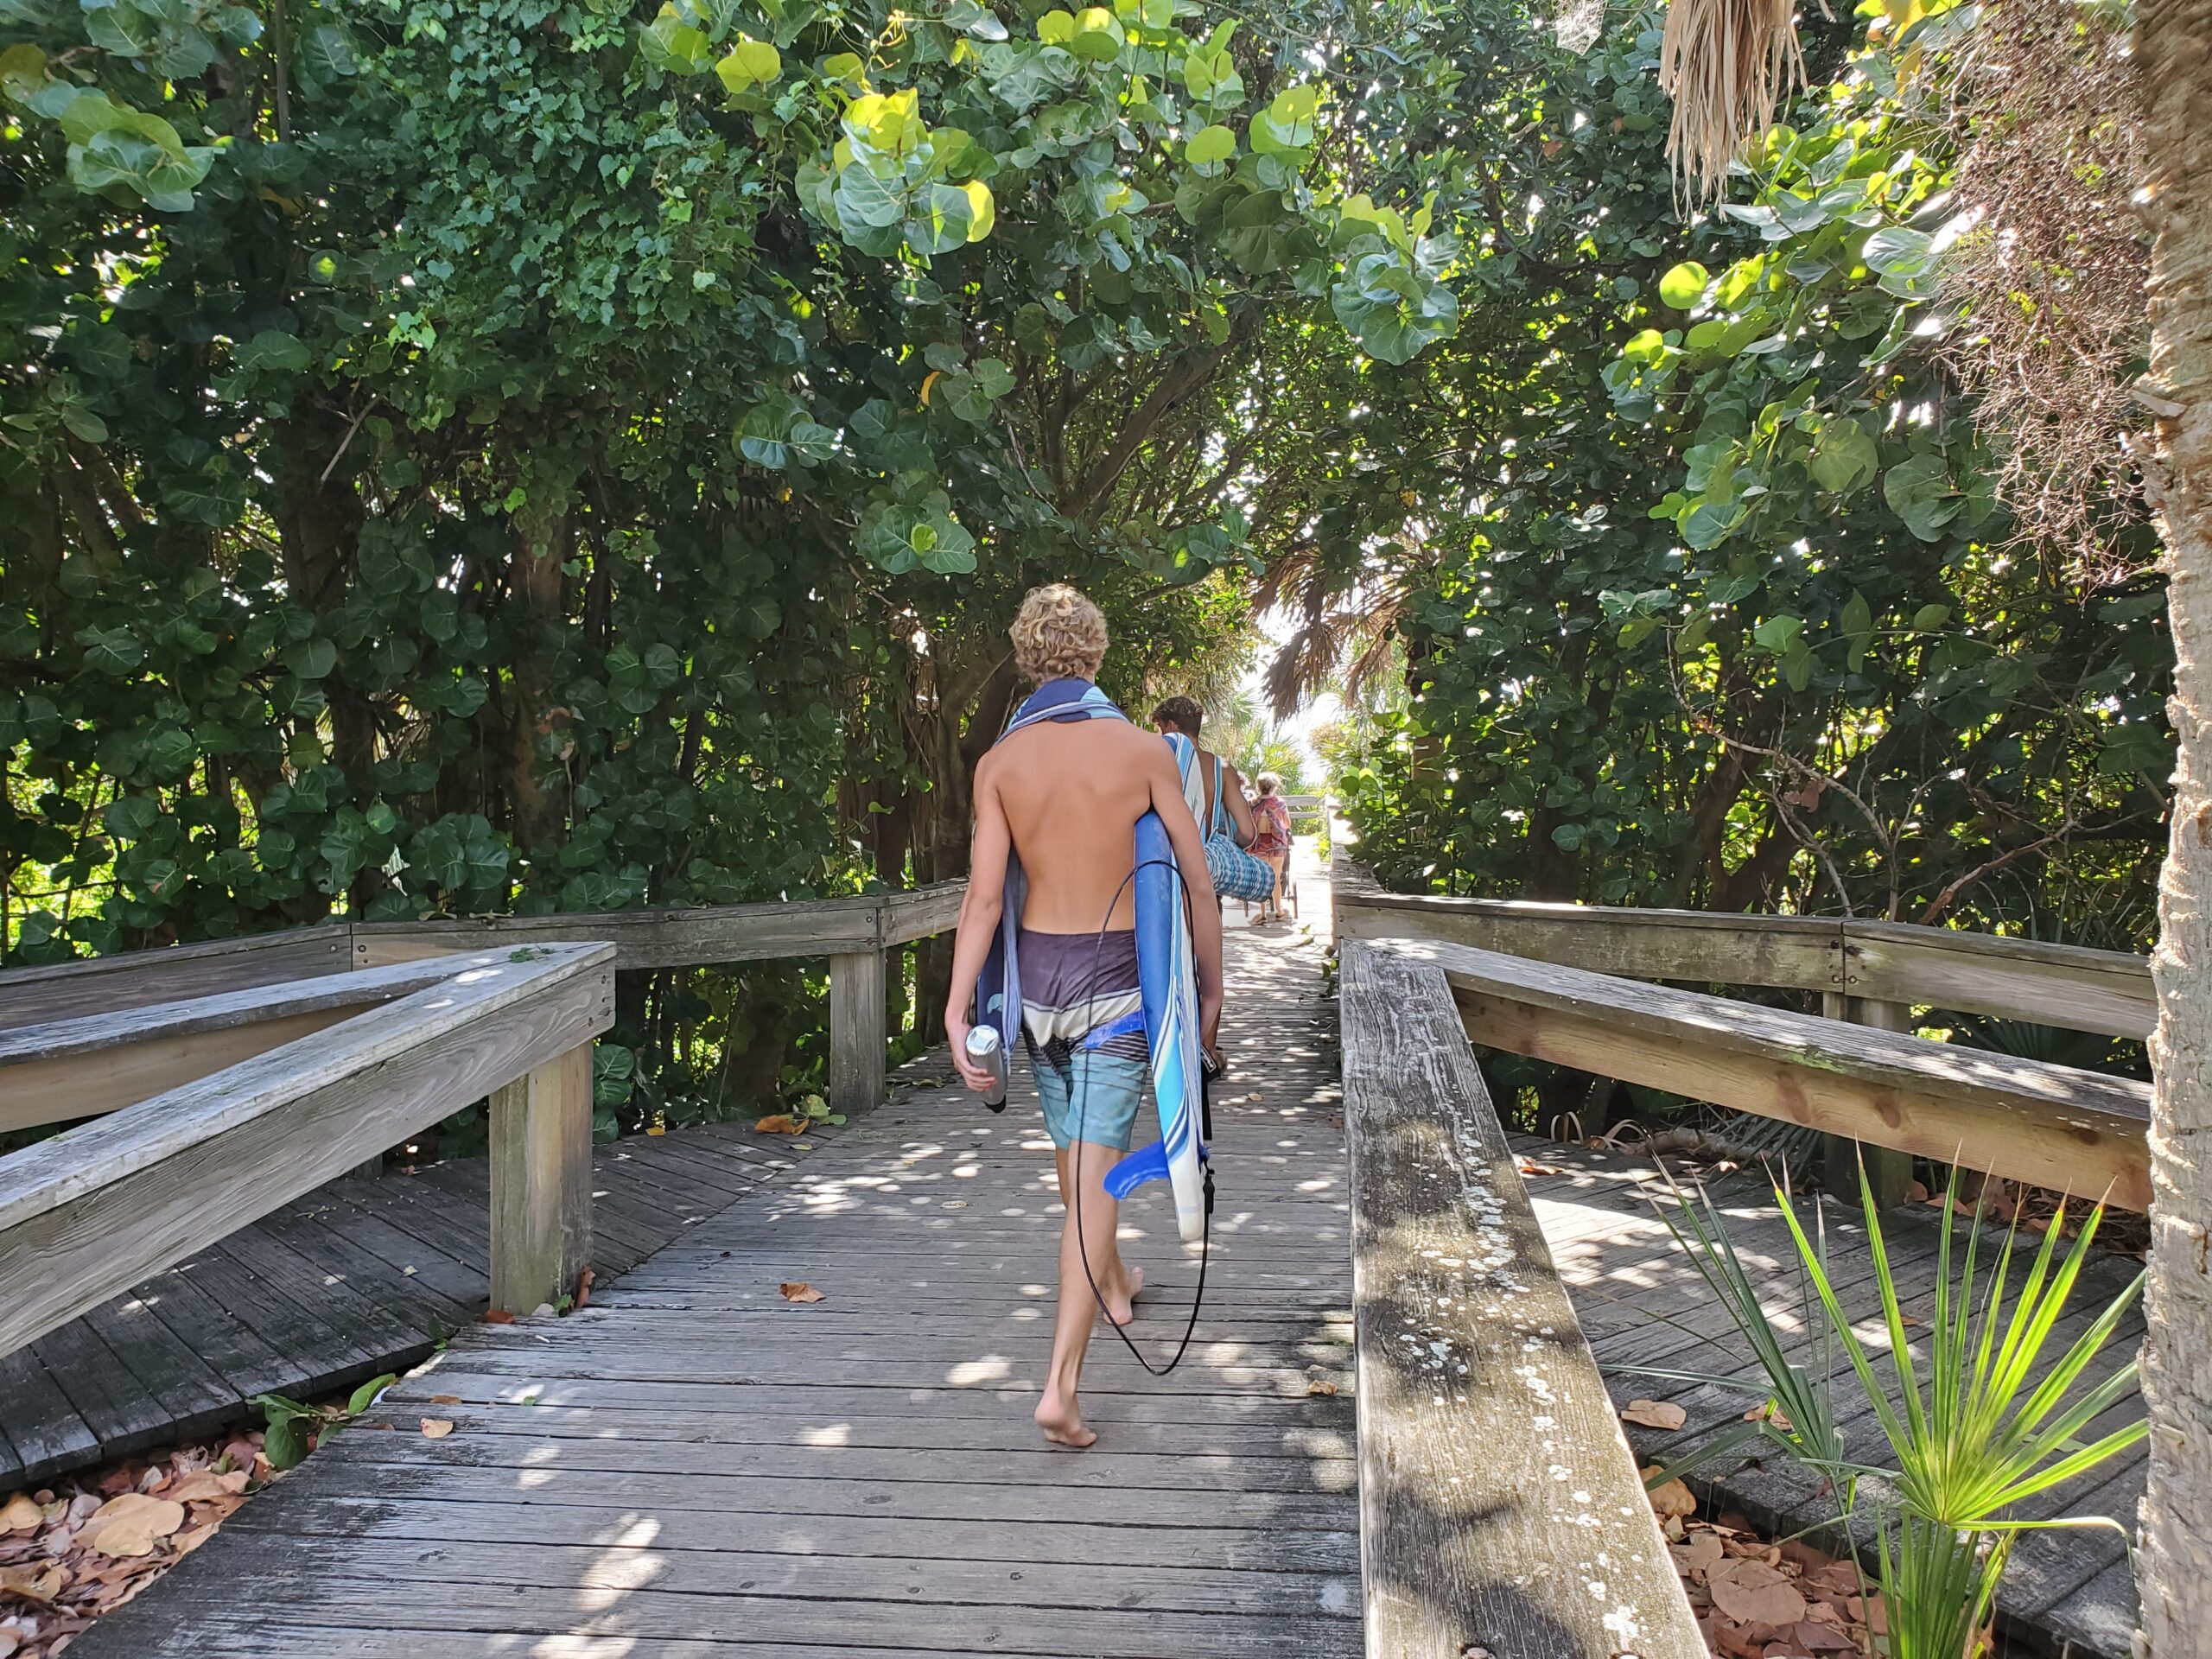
(1059, 634)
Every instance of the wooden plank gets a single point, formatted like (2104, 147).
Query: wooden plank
(46, 1432)
(1250, 1551)
(90, 1064)
(858, 1034)
(922, 913)
(1886, 1172)
(2051, 1125)
(1499, 1507)
(652, 939)
(89, 1212)
(542, 1182)
(139, 979)
(2066, 986)
(1801, 953)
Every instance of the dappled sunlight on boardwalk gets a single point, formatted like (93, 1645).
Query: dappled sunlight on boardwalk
(696, 1466)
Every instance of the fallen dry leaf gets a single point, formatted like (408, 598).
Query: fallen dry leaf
(799, 1291)
(128, 1525)
(1814, 1637)
(1768, 1412)
(1701, 1554)
(1320, 1385)
(583, 1287)
(445, 1399)
(205, 1484)
(780, 1124)
(1755, 1593)
(20, 1514)
(1654, 1414)
(1673, 1497)
(495, 1316)
(436, 1428)
(35, 1584)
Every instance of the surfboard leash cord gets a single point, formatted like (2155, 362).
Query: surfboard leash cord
(1204, 1127)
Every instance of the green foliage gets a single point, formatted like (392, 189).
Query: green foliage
(294, 1430)
(1987, 1415)
(1705, 595)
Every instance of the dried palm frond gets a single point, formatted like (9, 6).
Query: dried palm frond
(1726, 64)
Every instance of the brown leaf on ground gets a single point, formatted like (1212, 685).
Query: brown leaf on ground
(583, 1286)
(129, 1524)
(1755, 1593)
(1768, 1412)
(799, 1291)
(1732, 1641)
(780, 1124)
(40, 1584)
(192, 1537)
(21, 1514)
(1699, 1554)
(1811, 1636)
(1320, 1385)
(1654, 1414)
(204, 1484)
(436, 1428)
(445, 1399)
(495, 1316)
(1670, 1498)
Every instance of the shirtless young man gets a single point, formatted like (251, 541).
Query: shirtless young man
(1065, 795)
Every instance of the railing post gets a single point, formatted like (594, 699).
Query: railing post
(858, 1033)
(541, 1183)
(1889, 1172)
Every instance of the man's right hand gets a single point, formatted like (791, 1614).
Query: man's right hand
(979, 1081)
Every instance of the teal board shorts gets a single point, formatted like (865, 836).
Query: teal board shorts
(1089, 1094)
(1093, 1071)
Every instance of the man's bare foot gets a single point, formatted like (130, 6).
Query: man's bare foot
(1061, 1421)
(1121, 1299)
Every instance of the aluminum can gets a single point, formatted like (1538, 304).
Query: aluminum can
(985, 1049)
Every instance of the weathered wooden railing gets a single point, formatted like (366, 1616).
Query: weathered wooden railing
(225, 1080)
(1501, 1512)
(1561, 982)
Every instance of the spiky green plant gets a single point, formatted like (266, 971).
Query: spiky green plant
(1977, 1435)
(1803, 1394)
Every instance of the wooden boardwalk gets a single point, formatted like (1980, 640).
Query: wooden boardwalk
(1640, 1302)
(693, 1466)
(360, 1277)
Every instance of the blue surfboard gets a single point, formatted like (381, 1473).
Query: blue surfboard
(1167, 976)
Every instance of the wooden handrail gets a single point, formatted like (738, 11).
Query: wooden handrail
(1500, 1509)
(98, 1063)
(2054, 1126)
(89, 1212)
(853, 932)
(133, 979)
(2066, 986)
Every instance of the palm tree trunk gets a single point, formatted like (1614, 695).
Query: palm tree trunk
(2174, 42)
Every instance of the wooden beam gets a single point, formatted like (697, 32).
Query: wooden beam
(922, 913)
(99, 1063)
(2054, 1126)
(1801, 953)
(541, 1182)
(1887, 1172)
(655, 938)
(1500, 1509)
(2065, 985)
(90, 1213)
(137, 979)
(2061, 985)
(859, 1034)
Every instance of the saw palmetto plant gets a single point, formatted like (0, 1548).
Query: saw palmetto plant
(1989, 1412)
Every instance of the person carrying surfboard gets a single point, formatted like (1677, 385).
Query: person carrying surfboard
(1058, 803)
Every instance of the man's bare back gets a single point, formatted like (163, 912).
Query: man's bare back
(1072, 794)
